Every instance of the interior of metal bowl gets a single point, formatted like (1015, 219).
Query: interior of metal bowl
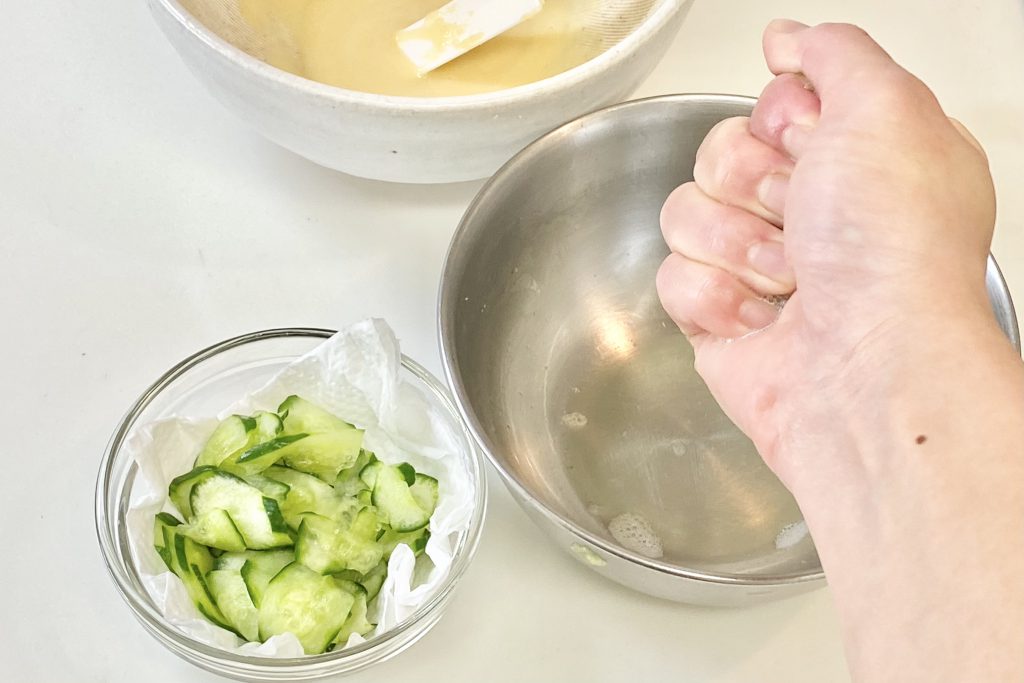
(580, 386)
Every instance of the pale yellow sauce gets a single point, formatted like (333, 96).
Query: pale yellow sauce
(351, 44)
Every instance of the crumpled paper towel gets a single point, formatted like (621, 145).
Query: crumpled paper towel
(355, 375)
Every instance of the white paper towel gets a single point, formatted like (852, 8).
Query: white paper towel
(355, 375)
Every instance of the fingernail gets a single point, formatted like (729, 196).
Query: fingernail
(786, 26)
(757, 314)
(769, 259)
(772, 193)
(795, 138)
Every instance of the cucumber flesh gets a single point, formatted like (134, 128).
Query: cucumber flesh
(233, 560)
(180, 488)
(231, 435)
(324, 455)
(215, 529)
(396, 503)
(356, 622)
(424, 491)
(262, 566)
(300, 415)
(416, 540)
(326, 548)
(271, 488)
(232, 598)
(332, 445)
(374, 579)
(307, 493)
(312, 607)
(268, 426)
(348, 482)
(369, 473)
(257, 517)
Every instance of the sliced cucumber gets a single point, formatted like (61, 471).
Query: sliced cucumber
(396, 503)
(164, 519)
(271, 488)
(233, 600)
(257, 517)
(231, 435)
(325, 547)
(302, 602)
(289, 524)
(233, 560)
(374, 579)
(309, 494)
(262, 566)
(268, 426)
(261, 456)
(332, 445)
(424, 491)
(352, 587)
(299, 415)
(324, 455)
(369, 473)
(215, 529)
(191, 561)
(416, 540)
(356, 622)
(348, 482)
(180, 488)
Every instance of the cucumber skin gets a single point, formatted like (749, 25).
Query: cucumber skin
(408, 473)
(260, 450)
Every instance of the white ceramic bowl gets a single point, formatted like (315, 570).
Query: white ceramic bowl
(412, 139)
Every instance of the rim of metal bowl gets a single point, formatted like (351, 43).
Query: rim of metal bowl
(119, 566)
(621, 50)
(456, 254)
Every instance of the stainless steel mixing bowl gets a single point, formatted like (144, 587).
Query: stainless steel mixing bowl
(580, 389)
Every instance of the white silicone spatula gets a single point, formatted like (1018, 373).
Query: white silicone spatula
(460, 26)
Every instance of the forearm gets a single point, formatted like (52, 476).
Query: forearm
(933, 487)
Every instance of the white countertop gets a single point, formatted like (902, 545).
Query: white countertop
(140, 223)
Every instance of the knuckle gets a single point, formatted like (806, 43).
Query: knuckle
(714, 290)
(831, 32)
(674, 211)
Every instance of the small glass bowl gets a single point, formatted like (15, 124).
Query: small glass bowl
(203, 384)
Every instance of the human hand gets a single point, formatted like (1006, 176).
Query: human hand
(888, 209)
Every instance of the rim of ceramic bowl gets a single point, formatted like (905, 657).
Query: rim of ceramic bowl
(445, 315)
(626, 47)
(120, 563)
